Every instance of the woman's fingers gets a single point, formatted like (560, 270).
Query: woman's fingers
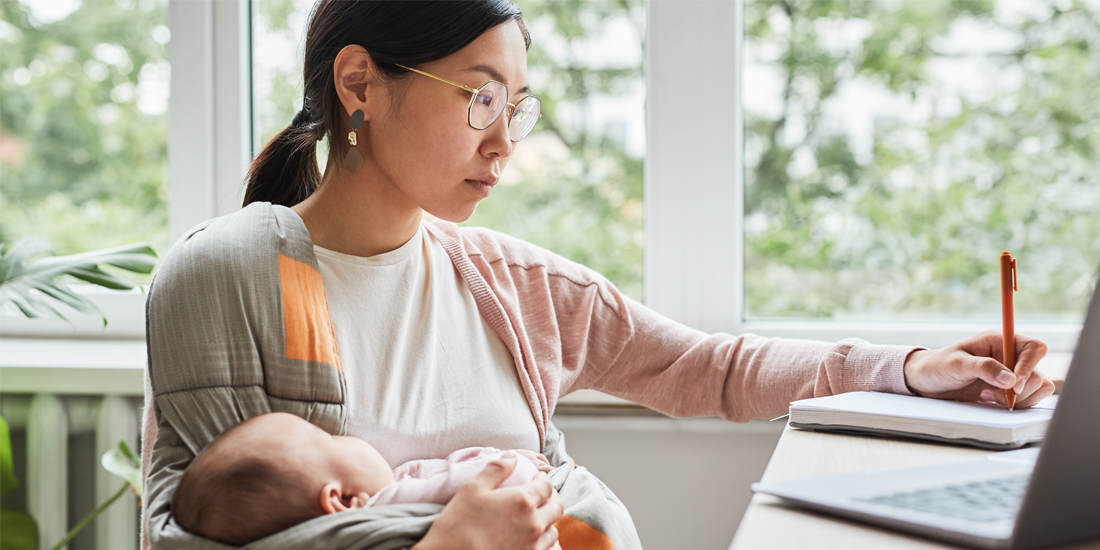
(992, 372)
(994, 395)
(973, 369)
(496, 471)
(540, 489)
(484, 516)
(549, 539)
(551, 511)
(1028, 353)
(1038, 388)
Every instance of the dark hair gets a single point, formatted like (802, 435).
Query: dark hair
(393, 32)
(229, 498)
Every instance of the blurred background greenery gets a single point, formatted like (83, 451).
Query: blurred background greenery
(893, 147)
(84, 122)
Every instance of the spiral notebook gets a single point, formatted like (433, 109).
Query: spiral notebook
(984, 425)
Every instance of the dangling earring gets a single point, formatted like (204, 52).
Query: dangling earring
(354, 159)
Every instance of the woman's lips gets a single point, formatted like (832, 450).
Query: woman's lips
(482, 187)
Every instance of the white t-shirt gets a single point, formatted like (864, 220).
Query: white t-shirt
(426, 375)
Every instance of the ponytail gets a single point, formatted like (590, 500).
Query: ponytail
(394, 33)
(285, 172)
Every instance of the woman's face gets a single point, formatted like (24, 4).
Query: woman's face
(423, 144)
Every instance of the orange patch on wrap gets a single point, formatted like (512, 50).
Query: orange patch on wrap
(306, 322)
(574, 534)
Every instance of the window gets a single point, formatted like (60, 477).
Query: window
(84, 105)
(701, 156)
(574, 185)
(84, 123)
(702, 249)
(894, 149)
(278, 44)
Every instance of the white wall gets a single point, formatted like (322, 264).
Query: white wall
(685, 481)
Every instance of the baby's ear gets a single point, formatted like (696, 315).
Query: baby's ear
(331, 502)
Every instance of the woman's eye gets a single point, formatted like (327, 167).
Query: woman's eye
(484, 99)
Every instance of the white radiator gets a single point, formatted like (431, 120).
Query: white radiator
(50, 421)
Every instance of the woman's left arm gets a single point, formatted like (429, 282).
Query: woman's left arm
(973, 370)
(578, 331)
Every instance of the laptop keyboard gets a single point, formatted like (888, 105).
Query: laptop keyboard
(989, 500)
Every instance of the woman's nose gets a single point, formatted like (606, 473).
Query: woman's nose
(496, 142)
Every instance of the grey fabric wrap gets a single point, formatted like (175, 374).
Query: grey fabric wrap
(217, 356)
(586, 497)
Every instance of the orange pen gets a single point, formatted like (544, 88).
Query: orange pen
(1008, 323)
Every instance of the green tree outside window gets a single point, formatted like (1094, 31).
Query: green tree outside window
(84, 123)
(908, 220)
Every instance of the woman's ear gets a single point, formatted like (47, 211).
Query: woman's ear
(331, 502)
(356, 78)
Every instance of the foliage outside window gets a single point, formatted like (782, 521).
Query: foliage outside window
(574, 185)
(895, 148)
(83, 122)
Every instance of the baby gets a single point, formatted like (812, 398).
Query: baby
(274, 471)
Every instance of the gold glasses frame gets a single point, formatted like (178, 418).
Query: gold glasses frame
(509, 108)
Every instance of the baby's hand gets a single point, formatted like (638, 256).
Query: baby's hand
(540, 461)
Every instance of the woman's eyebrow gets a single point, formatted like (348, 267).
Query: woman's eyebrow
(495, 75)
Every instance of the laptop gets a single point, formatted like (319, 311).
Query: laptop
(1028, 498)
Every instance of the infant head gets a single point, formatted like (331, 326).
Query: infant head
(272, 472)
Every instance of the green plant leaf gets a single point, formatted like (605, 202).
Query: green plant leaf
(125, 449)
(24, 273)
(126, 467)
(18, 531)
(96, 276)
(7, 467)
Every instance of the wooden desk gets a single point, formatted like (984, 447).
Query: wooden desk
(802, 454)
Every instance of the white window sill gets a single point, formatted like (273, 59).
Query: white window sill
(72, 366)
(124, 310)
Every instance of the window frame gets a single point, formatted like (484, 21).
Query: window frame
(693, 251)
(210, 110)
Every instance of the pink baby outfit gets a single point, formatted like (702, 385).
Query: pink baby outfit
(437, 480)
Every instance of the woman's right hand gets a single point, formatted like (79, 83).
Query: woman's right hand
(483, 517)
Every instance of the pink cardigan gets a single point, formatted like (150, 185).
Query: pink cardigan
(569, 328)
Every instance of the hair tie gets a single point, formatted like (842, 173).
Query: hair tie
(301, 119)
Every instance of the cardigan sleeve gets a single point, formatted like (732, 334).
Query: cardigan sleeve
(581, 332)
(684, 372)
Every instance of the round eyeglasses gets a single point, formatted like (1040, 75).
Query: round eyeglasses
(489, 101)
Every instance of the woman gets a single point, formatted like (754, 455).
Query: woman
(328, 298)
